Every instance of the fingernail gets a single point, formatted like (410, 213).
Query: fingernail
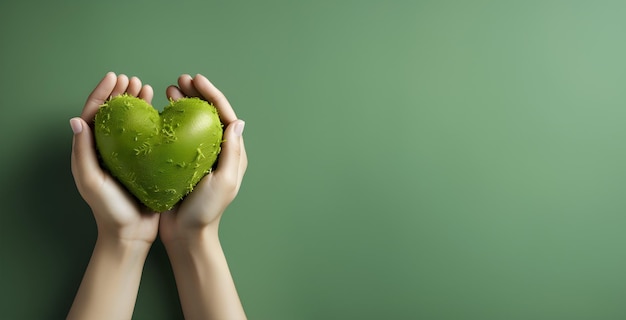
(239, 128)
(77, 126)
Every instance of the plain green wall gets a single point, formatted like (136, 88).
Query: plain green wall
(408, 159)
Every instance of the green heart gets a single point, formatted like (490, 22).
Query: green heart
(158, 157)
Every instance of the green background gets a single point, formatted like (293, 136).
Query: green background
(408, 159)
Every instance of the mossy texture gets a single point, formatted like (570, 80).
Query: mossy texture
(158, 157)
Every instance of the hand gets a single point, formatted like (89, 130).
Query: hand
(118, 215)
(204, 206)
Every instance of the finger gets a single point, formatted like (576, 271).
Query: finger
(98, 96)
(146, 93)
(229, 163)
(84, 160)
(173, 93)
(243, 162)
(209, 92)
(134, 86)
(243, 165)
(121, 86)
(185, 83)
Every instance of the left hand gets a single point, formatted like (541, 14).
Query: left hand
(118, 214)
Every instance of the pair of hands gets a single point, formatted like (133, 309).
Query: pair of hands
(117, 213)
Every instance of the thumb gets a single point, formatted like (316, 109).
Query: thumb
(84, 159)
(230, 155)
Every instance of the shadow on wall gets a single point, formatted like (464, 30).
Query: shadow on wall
(59, 233)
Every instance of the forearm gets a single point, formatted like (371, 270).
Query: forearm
(205, 285)
(110, 284)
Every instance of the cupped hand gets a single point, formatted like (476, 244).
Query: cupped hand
(117, 213)
(204, 206)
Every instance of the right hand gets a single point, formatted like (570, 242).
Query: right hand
(202, 209)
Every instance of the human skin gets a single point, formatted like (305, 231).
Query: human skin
(126, 229)
(190, 232)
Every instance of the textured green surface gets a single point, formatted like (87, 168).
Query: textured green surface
(408, 159)
(158, 157)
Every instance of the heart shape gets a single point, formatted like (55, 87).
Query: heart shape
(158, 157)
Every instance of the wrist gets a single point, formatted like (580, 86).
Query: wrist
(122, 246)
(191, 238)
(129, 228)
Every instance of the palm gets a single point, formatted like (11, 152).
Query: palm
(115, 210)
(205, 205)
(123, 210)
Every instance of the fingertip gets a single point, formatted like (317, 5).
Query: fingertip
(187, 86)
(77, 125)
(121, 86)
(82, 135)
(173, 93)
(239, 125)
(122, 78)
(200, 76)
(84, 160)
(146, 93)
(230, 159)
(134, 86)
(233, 133)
